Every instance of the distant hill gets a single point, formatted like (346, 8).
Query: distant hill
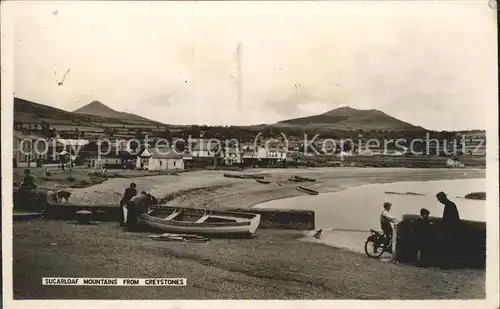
(97, 108)
(347, 118)
(31, 112)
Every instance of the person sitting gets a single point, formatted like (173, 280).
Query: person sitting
(386, 222)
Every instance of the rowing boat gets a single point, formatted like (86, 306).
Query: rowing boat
(244, 176)
(235, 176)
(200, 221)
(307, 190)
(301, 178)
(266, 182)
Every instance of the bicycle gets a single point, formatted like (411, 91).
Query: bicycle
(376, 244)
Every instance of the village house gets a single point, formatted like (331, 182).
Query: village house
(116, 159)
(65, 150)
(203, 148)
(271, 153)
(232, 155)
(160, 158)
(29, 148)
(249, 157)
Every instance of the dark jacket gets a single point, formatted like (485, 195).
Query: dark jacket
(423, 230)
(451, 218)
(28, 182)
(128, 195)
(140, 203)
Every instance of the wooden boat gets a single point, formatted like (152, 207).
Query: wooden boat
(266, 182)
(301, 178)
(254, 176)
(200, 221)
(244, 176)
(307, 190)
(414, 193)
(235, 176)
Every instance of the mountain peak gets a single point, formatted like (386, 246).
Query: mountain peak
(341, 110)
(349, 118)
(94, 107)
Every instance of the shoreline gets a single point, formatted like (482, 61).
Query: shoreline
(211, 189)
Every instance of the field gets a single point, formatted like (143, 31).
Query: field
(273, 265)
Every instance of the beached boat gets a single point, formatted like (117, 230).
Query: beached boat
(307, 190)
(266, 182)
(201, 221)
(235, 176)
(244, 176)
(301, 178)
(254, 176)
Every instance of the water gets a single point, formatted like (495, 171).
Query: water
(359, 208)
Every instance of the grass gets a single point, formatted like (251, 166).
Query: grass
(272, 266)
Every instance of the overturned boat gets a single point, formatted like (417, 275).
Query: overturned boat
(201, 221)
(307, 190)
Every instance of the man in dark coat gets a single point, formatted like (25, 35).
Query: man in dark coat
(450, 230)
(129, 193)
(138, 205)
(28, 181)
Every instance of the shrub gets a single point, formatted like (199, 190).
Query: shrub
(71, 178)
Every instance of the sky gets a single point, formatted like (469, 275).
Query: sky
(430, 63)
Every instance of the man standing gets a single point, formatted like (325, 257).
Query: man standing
(450, 225)
(135, 207)
(129, 193)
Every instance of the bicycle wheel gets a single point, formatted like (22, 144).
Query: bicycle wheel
(373, 249)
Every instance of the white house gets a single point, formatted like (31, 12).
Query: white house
(271, 153)
(203, 148)
(164, 158)
(232, 155)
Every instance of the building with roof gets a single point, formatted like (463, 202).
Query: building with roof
(29, 148)
(160, 158)
(115, 159)
(232, 155)
(203, 148)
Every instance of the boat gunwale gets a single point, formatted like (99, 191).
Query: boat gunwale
(146, 217)
(307, 190)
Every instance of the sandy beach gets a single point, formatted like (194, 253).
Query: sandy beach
(212, 189)
(273, 265)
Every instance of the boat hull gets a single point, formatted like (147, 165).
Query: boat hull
(308, 191)
(266, 182)
(227, 223)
